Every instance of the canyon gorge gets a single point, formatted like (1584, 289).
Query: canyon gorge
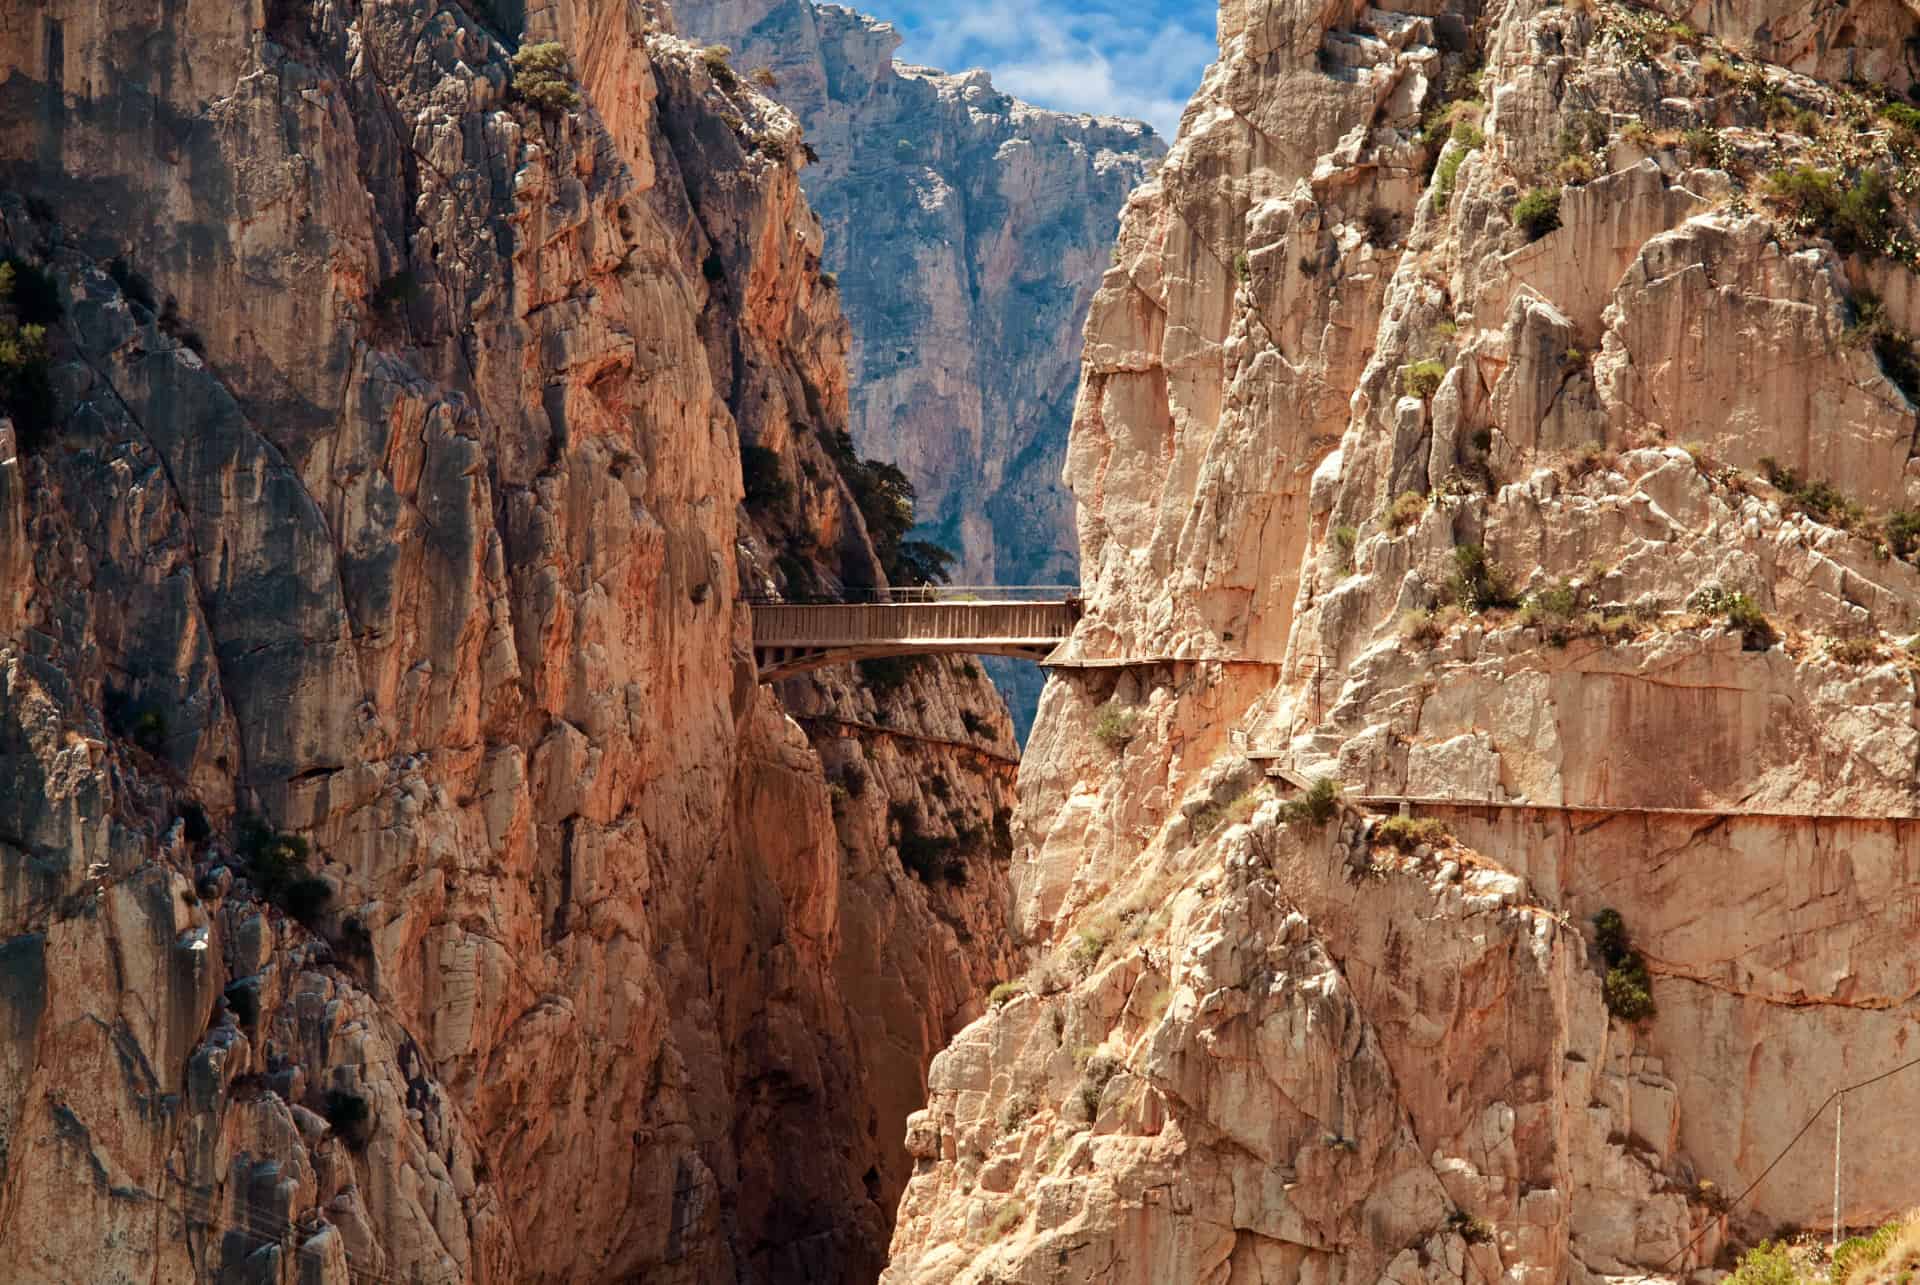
(1469, 832)
(967, 232)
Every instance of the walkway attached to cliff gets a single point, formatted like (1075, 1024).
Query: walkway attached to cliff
(1026, 621)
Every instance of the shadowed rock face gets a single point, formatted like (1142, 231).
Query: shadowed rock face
(393, 494)
(1338, 405)
(968, 231)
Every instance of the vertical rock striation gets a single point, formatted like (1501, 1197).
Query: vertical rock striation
(387, 521)
(968, 232)
(1510, 408)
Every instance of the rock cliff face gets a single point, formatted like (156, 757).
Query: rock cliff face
(1510, 407)
(383, 518)
(968, 232)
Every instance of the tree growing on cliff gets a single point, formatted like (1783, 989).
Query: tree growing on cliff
(1628, 988)
(543, 76)
(26, 392)
(887, 499)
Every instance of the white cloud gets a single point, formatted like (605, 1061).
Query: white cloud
(1139, 59)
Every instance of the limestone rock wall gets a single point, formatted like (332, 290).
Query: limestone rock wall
(1376, 481)
(393, 496)
(968, 232)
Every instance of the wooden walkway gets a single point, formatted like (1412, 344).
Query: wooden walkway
(790, 638)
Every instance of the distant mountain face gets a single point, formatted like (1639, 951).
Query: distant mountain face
(969, 231)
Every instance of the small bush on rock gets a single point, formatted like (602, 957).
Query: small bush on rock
(1478, 583)
(543, 76)
(1343, 540)
(1114, 726)
(1423, 378)
(1407, 508)
(1537, 213)
(1855, 651)
(1474, 1230)
(1408, 833)
(1006, 993)
(715, 57)
(26, 390)
(351, 1117)
(1857, 216)
(1429, 627)
(1319, 805)
(1628, 989)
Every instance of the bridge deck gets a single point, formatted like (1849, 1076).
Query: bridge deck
(791, 637)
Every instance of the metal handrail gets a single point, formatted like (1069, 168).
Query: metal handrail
(916, 594)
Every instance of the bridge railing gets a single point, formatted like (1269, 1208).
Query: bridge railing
(915, 594)
(846, 624)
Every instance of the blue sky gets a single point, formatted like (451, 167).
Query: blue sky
(1138, 58)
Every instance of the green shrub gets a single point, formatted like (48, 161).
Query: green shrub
(543, 77)
(1406, 509)
(1537, 213)
(1447, 174)
(1855, 651)
(1423, 378)
(149, 731)
(1478, 583)
(886, 500)
(1017, 1110)
(1859, 1252)
(1707, 145)
(1857, 216)
(1006, 993)
(351, 1117)
(1572, 171)
(306, 898)
(928, 857)
(1755, 629)
(1114, 726)
(1472, 1229)
(1343, 540)
(1429, 627)
(1223, 812)
(715, 57)
(886, 675)
(1243, 266)
(1408, 833)
(1902, 527)
(1559, 600)
(1769, 1263)
(1457, 121)
(1905, 115)
(26, 388)
(1319, 805)
(1010, 1216)
(1627, 989)
(1820, 500)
